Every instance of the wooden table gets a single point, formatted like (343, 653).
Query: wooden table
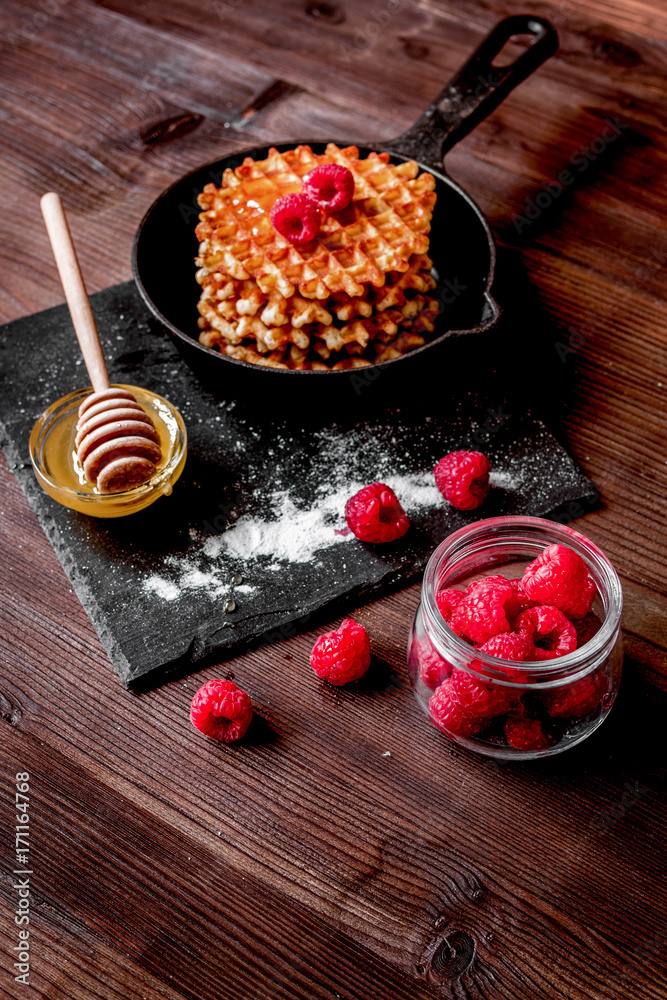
(345, 851)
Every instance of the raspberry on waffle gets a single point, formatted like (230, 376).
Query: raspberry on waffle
(364, 276)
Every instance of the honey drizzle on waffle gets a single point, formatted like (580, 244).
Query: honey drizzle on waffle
(299, 307)
(388, 220)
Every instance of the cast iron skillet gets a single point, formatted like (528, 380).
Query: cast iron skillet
(462, 246)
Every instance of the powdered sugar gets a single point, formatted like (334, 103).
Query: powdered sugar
(195, 572)
(289, 507)
(505, 480)
(295, 535)
(292, 534)
(417, 492)
(165, 589)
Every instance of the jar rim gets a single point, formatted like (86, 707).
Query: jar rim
(547, 670)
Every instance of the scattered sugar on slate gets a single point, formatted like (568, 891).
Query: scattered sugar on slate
(283, 530)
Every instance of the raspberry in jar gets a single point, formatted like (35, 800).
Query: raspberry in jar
(525, 614)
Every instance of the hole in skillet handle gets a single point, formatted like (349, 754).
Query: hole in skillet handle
(468, 98)
(512, 49)
(477, 89)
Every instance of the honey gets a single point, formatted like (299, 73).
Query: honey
(59, 472)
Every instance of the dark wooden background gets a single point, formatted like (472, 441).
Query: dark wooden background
(343, 850)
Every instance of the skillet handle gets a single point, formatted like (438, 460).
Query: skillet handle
(476, 90)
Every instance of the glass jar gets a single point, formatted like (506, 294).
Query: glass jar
(563, 699)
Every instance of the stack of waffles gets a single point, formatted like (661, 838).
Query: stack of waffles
(356, 295)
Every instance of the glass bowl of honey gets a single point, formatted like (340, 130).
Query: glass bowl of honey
(60, 474)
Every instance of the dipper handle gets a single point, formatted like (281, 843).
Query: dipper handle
(75, 290)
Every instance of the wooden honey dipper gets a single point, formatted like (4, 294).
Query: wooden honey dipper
(116, 441)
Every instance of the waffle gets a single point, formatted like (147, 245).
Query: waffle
(384, 336)
(365, 277)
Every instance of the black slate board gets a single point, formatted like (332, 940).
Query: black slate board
(155, 584)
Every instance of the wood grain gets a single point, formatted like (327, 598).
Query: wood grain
(375, 861)
(305, 862)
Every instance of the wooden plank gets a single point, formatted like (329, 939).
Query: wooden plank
(173, 908)
(71, 963)
(331, 54)
(387, 863)
(338, 870)
(645, 614)
(115, 139)
(602, 234)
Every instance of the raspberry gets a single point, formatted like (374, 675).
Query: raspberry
(509, 646)
(221, 710)
(375, 515)
(501, 585)
(448, 715)
(448, 601)
(463, 478)
(343, 655)
(478, 699)
(559, 577)
(433, 670)
(576, 700)
(296, 217)
(586, 628)
(331, 186)
(549, 631)
(525, 733)
(521, 602)
(482, 613)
